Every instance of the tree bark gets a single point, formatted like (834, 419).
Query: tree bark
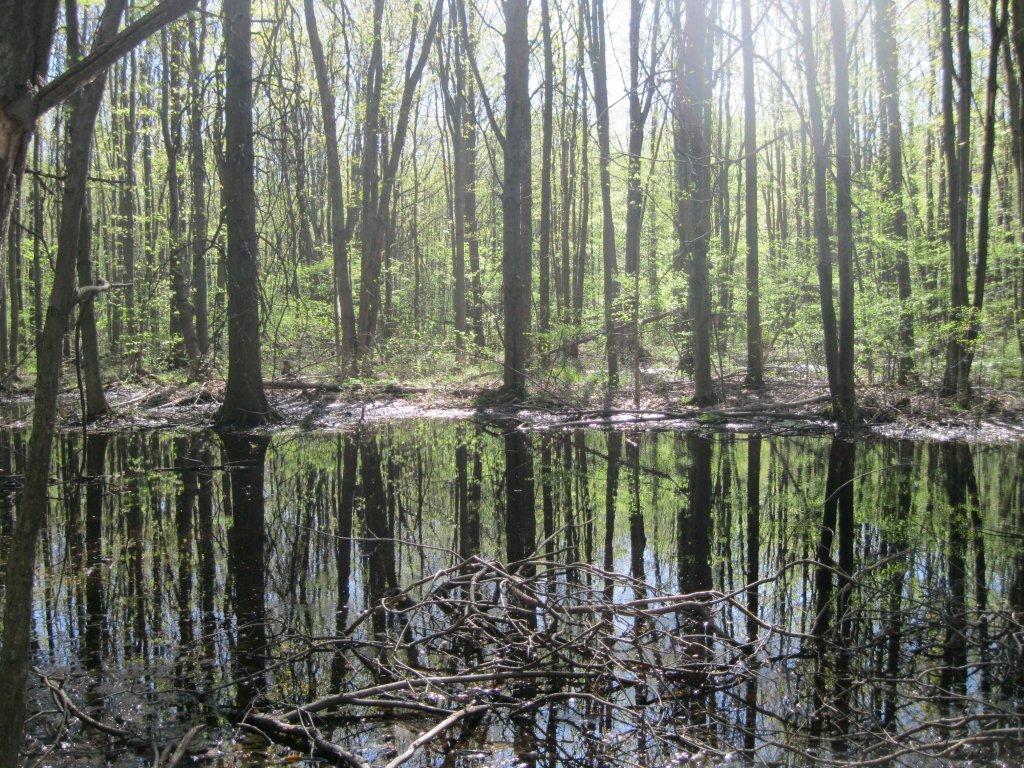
(956, 147)
(89, 348)
(34, 498)
(598, 65)
(755, 346)
(197, 173)
(816, 128)
(892, 130)
(342, 224)
(245, 402)
(693, 181)
(845, 396)
(185, 344)
(997, 29)
(517, 230)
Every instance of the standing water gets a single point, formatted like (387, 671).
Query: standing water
(468, 594)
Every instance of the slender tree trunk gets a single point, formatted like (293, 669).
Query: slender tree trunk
(639, 108)
(34, 498)
(245, 403)
(126, 202)
(892, 129)
(547, 117)
(997, 28)
(755, 346)
(342, 224)
(598, 64)
(197, 172)
(845, 396)
(957, 150)
(89, 347)
(517, 230)
(38, 254)
(185, 349)
(819, 162)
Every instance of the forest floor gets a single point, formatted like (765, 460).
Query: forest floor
(787, 405)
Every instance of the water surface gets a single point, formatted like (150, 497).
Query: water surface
(187, 577)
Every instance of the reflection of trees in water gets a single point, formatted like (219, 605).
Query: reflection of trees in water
(245, 456)
(895, 559)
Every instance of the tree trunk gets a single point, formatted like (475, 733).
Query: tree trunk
(126, 204)
(197, 172)
(997, 28)
(819, 162)
(245, 403)
(889, 98)
(185, 344)
(547, 116)
(845, 396)
(33, 504)
(598, 64)
(341, 223)
(26, 34)
(89, 347)
(956, 147)
(693, 181)
(517, 231)
(755, 348)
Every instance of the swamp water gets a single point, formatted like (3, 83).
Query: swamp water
(848, 602)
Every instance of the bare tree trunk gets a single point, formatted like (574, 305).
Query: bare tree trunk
(342, 223)
(819, 162)
(547, 113)
(126, 202)
(956, 147)
(639, 109)
(997, 29)
(245, 403)
(197, 172)
(517, 237)
(380, 169)
(693, 180)
(89, 348)
(889, 98)
(34, 498)
(37, 249)
(453, 87)
(598, 64)
(185, 344)
(845, 396)
(755, 348)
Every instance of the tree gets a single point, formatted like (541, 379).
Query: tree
(598, 65)
(692, 97)
(755, 350)
(34, 498)
(517, 228)
(998, 21)
(380, 163)
(956, 144)
(245, 403)
(844, 397)
(892, 133)
(342, 221)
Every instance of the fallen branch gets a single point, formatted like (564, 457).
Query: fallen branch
(442, 726)
(301, 738)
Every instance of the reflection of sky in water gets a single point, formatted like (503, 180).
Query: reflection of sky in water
(164, 570)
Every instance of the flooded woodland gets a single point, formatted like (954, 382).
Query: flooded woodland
(477, 594)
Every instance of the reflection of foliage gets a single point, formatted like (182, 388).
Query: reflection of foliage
(890, 627)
